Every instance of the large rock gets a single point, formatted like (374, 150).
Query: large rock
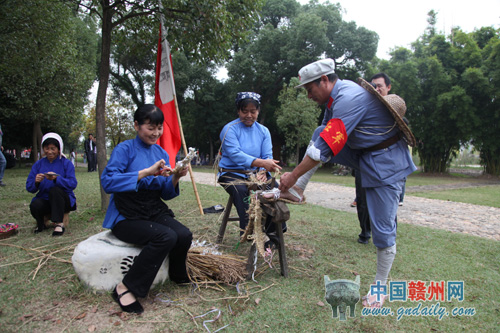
(102, 260)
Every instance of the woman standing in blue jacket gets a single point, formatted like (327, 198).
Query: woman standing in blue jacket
(53, 180)
(138, 178)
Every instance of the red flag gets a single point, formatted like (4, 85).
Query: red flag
(164, 99)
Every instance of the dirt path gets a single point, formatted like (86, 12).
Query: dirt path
(471, 219)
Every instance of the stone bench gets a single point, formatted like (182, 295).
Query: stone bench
(102, 260)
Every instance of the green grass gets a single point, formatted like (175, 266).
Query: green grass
(484, 195)
(319, 242)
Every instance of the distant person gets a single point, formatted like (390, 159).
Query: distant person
(72, 156)
(53, 180)
(382, 84)
(94, 153)
(139, 180)
(88, 146)
(3, 161)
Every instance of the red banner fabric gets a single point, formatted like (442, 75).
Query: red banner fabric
(164, 99)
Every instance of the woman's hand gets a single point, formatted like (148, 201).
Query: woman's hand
(177, 175)
(154, 170)
(268, 164)
(51, 175)
(182, 172)
(39, 178)
(261, 176)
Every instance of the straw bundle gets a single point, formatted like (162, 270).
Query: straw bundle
(253, 230)
(206, 263)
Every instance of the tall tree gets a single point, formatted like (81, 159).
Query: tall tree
(297, 116)
(449, 86)
(47, 64)
(202, 29)
(484, 85)
(206, 104)
(289, 37)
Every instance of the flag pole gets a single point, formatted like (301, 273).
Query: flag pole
(186, 152)
(183, 140)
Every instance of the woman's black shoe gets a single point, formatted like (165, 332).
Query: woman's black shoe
(135, 307)
(58, 233)
(180, 280)
(39, 229)
(271, 244)
(273, 241)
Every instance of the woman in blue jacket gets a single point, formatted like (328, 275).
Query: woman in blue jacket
(138, 178)
(246, 148)
(53, 180)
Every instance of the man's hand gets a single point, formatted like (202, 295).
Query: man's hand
(287, 180)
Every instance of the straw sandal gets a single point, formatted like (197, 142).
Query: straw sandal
(275, 194)
(373, 304)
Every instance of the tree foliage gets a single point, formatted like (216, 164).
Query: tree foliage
(119, 123)
(448, 83)
(297, 116)
(201, 29)
(289, 36)
(47, 65)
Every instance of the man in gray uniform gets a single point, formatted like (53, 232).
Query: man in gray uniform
(364, 131)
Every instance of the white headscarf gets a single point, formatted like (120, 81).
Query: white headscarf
(56, 136)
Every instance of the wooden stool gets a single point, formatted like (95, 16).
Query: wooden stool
(280, 213)
(225, 218)
(50, 224)
(278, 217)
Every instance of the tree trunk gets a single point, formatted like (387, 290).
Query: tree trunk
(211, 143)
(297, 155)
(37, 140)
(102, 160)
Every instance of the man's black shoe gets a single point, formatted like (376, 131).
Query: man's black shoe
(363, 241)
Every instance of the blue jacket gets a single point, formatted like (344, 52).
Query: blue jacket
(66, 179)
(122, 171)
(241, 145)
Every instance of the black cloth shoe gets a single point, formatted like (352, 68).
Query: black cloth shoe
(270, 245)
(179, 279)
(214, 209)
(135, 307)
(39, 229)
(363, 241)
(58, 233)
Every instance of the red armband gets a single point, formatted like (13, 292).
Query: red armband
(334, 135)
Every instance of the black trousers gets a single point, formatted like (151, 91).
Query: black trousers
(162, 236)
(91, 161)
(56, 206)
(362, 208)
(240, 192)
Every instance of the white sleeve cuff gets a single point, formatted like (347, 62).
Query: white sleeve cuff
(314, 153)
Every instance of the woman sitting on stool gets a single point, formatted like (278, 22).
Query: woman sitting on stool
(137, 176)
(53, 180)
(246, 147)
